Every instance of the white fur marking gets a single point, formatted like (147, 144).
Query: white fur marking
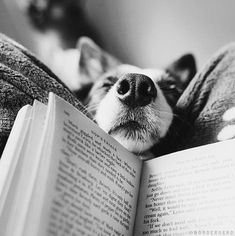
(110, 109)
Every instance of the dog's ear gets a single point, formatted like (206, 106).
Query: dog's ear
(183, 70)
(93, 61)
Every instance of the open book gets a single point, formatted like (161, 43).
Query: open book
(62, 175)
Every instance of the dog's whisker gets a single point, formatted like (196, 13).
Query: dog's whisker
(184, 120)
(90, 110)
(91, 107)
(167, 112)
(88, 105)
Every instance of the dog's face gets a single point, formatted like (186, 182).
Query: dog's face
(133, 105)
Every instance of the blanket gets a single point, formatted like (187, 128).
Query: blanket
(208, 103)
(205, 112)
(24, 78)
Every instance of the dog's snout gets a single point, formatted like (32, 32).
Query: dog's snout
(136, 90)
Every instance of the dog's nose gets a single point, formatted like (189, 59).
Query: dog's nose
(136, 90)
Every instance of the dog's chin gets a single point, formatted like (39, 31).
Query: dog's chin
(134, 137)
(137, 147)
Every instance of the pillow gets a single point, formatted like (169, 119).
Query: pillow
(24, 78)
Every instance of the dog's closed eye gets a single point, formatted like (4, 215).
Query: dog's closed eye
(169, 86)
(171, 89)
(109, 81)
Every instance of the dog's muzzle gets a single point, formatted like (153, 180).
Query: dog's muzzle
(136, 90)
(134, 112)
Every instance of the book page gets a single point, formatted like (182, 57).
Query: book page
(190, 192)
(34, 208)
(93, 182)
(29, 166)
(11, 162)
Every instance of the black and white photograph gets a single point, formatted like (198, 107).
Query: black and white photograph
(117, 117)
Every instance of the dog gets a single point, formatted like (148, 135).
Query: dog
(133, 105)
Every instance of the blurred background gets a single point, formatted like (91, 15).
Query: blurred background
(146, 33)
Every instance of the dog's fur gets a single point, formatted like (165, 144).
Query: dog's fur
(134, 105)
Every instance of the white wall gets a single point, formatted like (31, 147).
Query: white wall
(14, 24)
(6, 25)
(148, 33)
(153, 32)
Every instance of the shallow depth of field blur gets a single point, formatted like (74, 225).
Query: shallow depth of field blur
(145, 33)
